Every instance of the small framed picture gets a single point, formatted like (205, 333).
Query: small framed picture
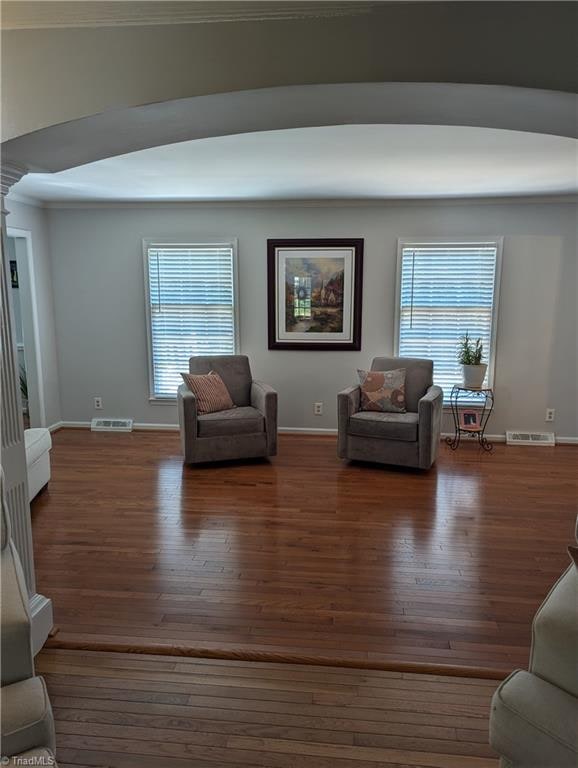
(470, 420)
(14, 274)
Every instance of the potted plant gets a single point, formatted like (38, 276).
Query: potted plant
(470, 355)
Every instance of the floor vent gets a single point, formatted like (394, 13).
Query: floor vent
(530, 438)
(111, 425)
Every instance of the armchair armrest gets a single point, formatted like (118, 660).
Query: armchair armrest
(348, 401)
(187, 409)
(430, 410)
(264, 399)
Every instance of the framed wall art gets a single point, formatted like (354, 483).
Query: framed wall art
(315, 293)
(14, 274)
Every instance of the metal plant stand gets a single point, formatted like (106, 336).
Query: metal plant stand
(486, 402)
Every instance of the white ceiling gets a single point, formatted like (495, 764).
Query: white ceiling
(352, 161)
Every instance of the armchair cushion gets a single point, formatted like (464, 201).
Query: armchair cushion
(382, 391)
(210, 390)
(418, 376)
(233, 369)
(27, 720)
(235, 421)
(388, 426)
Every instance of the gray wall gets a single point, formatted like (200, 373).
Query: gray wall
(50, 76)
(35, 220)
(100, 315)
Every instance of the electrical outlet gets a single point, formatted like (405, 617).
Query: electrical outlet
(318, 409)
(550, 414)
(98, 403)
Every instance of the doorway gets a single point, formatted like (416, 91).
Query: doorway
(19, 251)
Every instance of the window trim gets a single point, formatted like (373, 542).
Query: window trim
(498, 242)
(162, 242)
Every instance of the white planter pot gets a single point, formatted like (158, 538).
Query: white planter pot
(474, 375)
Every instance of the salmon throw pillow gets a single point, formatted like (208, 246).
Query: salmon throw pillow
(210, 390)
(383, 390)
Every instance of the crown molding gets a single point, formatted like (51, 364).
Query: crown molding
(48, 14)
(14, 197)
(381, 202)
(9, 175)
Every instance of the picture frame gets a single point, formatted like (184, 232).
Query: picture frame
(14, 273)
(315, 293)
(470, 420)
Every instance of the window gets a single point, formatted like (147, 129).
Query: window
(191, 308)
(446, 289)
(302, 297)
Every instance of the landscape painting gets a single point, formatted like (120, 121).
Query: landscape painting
(315, 294)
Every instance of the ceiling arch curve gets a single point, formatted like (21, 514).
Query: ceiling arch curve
(122, 131)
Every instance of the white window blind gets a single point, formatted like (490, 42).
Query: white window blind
(191, 308)
(446, 290)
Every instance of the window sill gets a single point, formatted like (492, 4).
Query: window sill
(163, 400)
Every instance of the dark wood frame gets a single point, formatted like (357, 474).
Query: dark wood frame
(351, 242)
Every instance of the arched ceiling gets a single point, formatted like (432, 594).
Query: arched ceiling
(127, 130)
(349, 161)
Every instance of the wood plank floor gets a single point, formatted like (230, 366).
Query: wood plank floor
(142, 711)
(306, 557)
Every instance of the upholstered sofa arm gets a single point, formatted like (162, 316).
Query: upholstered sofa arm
(15, 638)
(348, 402)
(430, 410)
(264, 399)
(554, 655)
(187, 409)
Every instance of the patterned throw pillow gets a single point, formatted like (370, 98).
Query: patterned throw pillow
(210, 390)
(383, 390)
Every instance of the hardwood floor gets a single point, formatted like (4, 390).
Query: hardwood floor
(143, 711)
(303, 558)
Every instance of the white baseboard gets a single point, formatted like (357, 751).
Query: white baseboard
(502, 439)
(146, 427)
(491, 438)
(69, 425)
(137, 426)
(305, 431)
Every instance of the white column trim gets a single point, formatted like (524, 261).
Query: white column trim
(42, 620)
(12, 440)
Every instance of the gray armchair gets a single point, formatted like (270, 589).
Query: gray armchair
(27, 725)
(247, 431)
(408, 439)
